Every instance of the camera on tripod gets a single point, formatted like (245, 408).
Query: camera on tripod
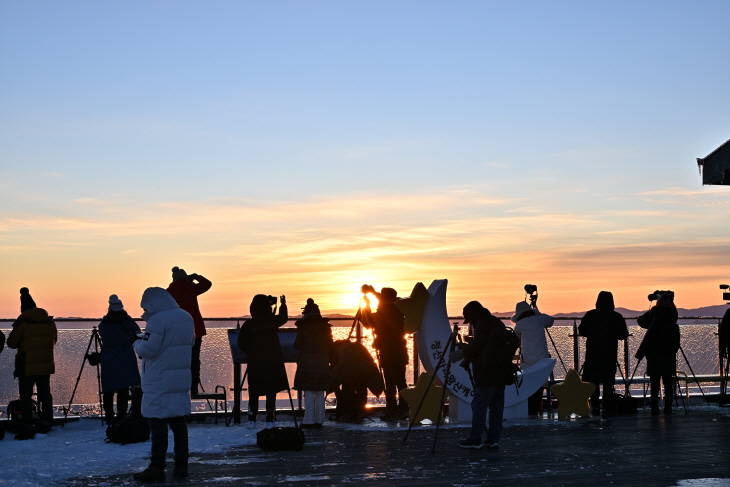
(725, 295)
(531, 293)
(655, 295)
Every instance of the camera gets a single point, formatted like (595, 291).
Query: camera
(367, 288)
(655, 295)
(725, 295)
(272, 300)
(530, 288)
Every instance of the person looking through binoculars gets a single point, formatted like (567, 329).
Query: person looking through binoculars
(660, 346)
(387, 324)
(259, 339)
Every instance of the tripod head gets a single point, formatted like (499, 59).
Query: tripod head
(725, 294)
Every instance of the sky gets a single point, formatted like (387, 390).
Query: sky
(306, 148)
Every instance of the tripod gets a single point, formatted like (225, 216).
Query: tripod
(96, 340)
(693, 375)
(450, 346)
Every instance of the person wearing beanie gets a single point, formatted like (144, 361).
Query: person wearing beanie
(119, 369)
(603, 327)
(314, 340)
(388, 324)
(185, 289)
(34, 335)
(259, 339)
(660, 346)
(530, 326)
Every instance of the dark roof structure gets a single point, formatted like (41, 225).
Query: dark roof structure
(715, 167)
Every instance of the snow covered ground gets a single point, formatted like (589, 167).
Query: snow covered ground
(79, 449)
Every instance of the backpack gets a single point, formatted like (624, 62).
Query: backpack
(128, 430)
(280, 439)
(500, 352)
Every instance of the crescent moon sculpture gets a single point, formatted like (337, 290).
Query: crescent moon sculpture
(432, 338)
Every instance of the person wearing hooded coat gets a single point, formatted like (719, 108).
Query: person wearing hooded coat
(34, 335)
(388, 324)
(603, 327)
(259, 339)
(165, 350)
(119, 369)
(530, 326)
(483, 354)
(660, 346)
(186, 289)
(314, 340)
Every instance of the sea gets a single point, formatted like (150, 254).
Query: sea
(699, 343)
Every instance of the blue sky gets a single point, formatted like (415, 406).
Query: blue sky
(315, 145)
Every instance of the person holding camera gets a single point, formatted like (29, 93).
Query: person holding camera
(530, 326)
(314, 340)
(119, 369)
(34, 335)
(388, 328)
(603, 327)
(165, 349)
(660, 346)
(185, 289)
(492, 370)
(259, 339)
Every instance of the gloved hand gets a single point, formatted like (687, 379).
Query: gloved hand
(132, 337)
(283, 299)
(456, 355)
(192, 277)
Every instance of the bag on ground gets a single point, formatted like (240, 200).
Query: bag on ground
(280, 439)
(128, 430)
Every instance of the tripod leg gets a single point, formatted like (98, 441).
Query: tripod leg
(78, 378)
(293, 413)
(693, 375)
(441, 409)
(433, 377)
(95, 336)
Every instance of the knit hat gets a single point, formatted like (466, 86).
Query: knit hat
(311, 308)
(178, 274)
(115, 304)
(26, 301)
(521, 308)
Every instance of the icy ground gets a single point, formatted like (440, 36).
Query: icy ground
(79, 449)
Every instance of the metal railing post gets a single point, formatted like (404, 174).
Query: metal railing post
(576, 346)
(416, 362)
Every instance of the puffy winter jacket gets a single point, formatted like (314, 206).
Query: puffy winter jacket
(314, 339)
(603, 328)
(485, 346)
(531, 332)
(388, 325)
(166, 351)
(34, 335)
(661, 341)
(118, 363)
(2, 340)
(186, 295)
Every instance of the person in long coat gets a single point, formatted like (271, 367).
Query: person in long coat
(34, 335)
(314, 340)
(119, 369)
(259, 339)
(603, 327)
(165, 350)
(530, 326)
(660, 346)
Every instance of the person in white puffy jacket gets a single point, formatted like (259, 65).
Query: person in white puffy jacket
(165, 350)
(530, 327)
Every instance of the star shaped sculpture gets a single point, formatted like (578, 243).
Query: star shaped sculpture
(432, 403)
(573, 396)
(412, 307)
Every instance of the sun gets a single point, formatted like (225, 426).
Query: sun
(355, 300)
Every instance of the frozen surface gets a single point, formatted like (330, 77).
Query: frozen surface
(79, 449)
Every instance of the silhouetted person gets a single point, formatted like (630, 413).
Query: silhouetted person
(490, 369)
(603, 328)
(119, 369)
(353, 372)
(660, 346)
(530, 326)
(388, 329)
(186, 289)
(314, 340)
(34, 335)
(165, 350)
(259, 339)
(723, 333)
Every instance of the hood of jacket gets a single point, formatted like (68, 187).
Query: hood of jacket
(260, 307)
(605, 301)
(314, 325)
(154, 300)
(36, 315)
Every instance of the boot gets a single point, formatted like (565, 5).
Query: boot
(668, 406)
(180, 471)
(153, 473)
(654, 407)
